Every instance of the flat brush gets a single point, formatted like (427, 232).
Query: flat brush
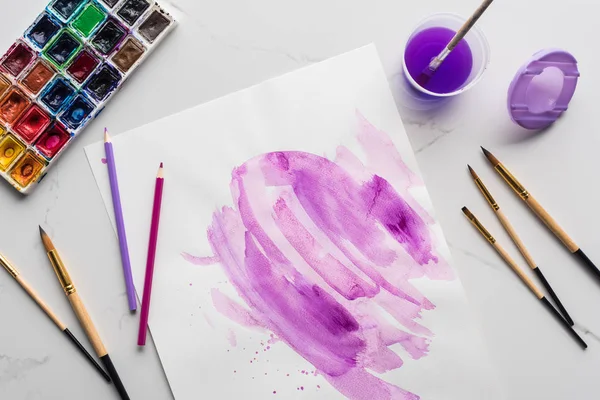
(542, 214)
(82, 315)
(519, 243)
(433, 66)
(526, 280)
(35, 297)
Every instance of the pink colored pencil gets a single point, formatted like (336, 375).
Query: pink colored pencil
(158, 190)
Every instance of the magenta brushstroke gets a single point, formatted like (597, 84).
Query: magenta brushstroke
(322, 253)
(199, 260)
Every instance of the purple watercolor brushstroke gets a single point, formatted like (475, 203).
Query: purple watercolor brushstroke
(340, 278)
(231, 338)
(322, 253)
(201, 261)
(391, 167)
(226, 306)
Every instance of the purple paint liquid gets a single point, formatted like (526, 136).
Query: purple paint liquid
(454, 71)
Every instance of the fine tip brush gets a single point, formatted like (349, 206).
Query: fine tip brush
(433, 66)
(519, 243)
(541, 213)
(80, 311)
(524, 278)
(38, 300)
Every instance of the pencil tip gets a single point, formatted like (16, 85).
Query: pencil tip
(106, 136)
(161, 165)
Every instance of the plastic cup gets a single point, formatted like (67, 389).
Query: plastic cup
(476, 40)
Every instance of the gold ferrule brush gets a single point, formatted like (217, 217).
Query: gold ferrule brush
(524, 278)
(478, 225)
(6, 264)
(61, 272)
(506, 175)
(512, 181)
(488, 196)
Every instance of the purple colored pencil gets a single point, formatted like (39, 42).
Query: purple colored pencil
(158, 191)
(116, 198)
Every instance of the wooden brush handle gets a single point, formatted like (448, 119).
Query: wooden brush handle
(469, 24)
(551, 224)
(86, 323)
(40, 303)
(515, 238)
(511, 263)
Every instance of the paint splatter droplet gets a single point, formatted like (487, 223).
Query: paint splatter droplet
(274, 392)
(103, 160)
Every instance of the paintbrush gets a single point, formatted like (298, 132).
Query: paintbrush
(519, 243)
(526, 280)
(431, 69)
(35, 297)
(82, 315)
(542, 214)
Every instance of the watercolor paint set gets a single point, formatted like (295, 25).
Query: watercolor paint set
(61, 73)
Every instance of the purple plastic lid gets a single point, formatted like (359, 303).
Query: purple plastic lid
(542, 89)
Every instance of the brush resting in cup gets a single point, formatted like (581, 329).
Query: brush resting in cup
(452, 74)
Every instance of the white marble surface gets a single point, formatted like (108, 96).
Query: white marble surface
(225, 46)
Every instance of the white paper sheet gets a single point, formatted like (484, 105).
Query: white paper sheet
(205, 354)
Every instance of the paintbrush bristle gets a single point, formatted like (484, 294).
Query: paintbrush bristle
(425, 76)
(490, 157)
(468, 213)
(46, 240)
(473, 173)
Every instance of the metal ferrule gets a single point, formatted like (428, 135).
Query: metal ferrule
(512, 181)
(482, 229)
(437, 61)
(487, 194)
(61, 272)
(6, 264)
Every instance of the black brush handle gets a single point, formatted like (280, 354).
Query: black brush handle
(86, 354)
(557, 301)
(115, 377)
(564, 323)
(588, 263)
